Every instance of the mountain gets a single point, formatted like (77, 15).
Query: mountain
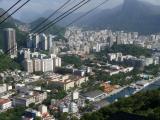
(132, 15)
(11, 19)
(55, 29)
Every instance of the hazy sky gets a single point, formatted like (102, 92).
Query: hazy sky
(40, 6)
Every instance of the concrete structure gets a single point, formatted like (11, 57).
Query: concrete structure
(10, 44)
(95, 95)
(67, 82)
(73, 107)
(79, 72)
(47, 65)
(37, 65)
(3, 88)
(57, 62)
(32, 97)
(28, 65)
(36, 62)
(149, 61)
(43, 41)
(5, 104)
(43, 109)
(50, 41)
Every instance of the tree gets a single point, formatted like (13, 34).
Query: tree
(145, 106)
(64, 116)
(7, 63)
(72, 59)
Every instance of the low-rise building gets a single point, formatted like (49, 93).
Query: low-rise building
(3, 88)
(32, 97)
(5, 104)
(67, 82)
(95, 95)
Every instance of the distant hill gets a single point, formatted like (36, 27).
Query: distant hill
(11, 19)
(132, 15)
(55, 29)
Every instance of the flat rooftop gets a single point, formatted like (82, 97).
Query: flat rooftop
(93, 94)
(3, 101)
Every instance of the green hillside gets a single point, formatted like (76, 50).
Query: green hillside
(55, 29)
(142, 106)
(7, 63)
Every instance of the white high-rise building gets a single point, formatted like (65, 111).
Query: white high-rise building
(28, 64)
(36, 41)
(37, 65)
(57, 62)
(43, 41)
(26, 53)
(3, 88)
(10, 44)
(50, 40)
(47, 65)
(43, 109)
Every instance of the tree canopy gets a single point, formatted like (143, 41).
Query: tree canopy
(143, 106)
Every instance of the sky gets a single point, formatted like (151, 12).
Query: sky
(38, 7)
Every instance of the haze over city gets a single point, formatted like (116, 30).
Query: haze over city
(37, 8)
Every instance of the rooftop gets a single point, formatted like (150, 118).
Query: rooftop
(93, 94)
(3, 101)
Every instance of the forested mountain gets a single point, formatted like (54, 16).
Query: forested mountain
(142, 106)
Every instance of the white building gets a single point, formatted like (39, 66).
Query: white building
(149, 61)
(36, 43)
(37, 65)
(26, 53)
(57, 62)
(95, 95)
(50, 41)
(3, 88)
(73, 107)
(63, 108)
(43, 41)
(28, 64)
(75, 95)
(10, 44)
(5, 104)
(47, 65)
(43, 109)
(32, 97)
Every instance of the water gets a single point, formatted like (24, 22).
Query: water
(125, 92)
(152, 86)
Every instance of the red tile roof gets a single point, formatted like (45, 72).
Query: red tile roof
(3, 101)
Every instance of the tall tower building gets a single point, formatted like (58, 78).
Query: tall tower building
(43, 42)
(36, 41)
(50, 40)
(10, 45)
(57, 62)
(30, 41)
(37, 65)
(47, 65)
(28, 65)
